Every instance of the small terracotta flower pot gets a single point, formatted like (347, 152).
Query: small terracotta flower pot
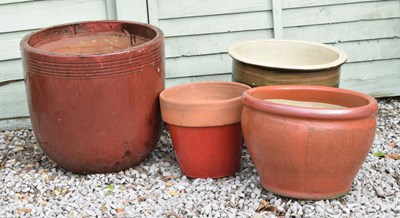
(286, 62)
(204, 122)
(308, 153)
(93, 90)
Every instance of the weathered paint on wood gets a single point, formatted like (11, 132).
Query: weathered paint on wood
(210, 43)
(191, 8)
(131, 10)
(9, 44)
(13, 100)
(39, 14)
(339, 13)
(199, 32)
(10, 70)
(351, 31)
(313, 3)
(217, 24)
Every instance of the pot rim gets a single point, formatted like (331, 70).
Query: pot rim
(27, 47)
(368, 107)
(342, 56)
(214, 113)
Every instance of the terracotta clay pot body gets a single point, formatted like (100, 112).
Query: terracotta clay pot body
(286, 62)
(204, 122)
(308, 153)
(93, 91)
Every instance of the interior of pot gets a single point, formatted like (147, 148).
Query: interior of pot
(312, 98)
(287, 54)
(91, 37)
(204, 93)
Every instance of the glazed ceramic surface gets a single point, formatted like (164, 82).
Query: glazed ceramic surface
(93, 91)
(303, 152)
(284, 62)
(204, 123)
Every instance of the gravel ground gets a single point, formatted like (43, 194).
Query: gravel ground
(32, 185)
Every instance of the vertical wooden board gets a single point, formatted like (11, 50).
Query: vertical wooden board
(190, 8)
(341, 13)
(153, 13)
(198, 65)
(217, 23)
(133, 10)
(370, 50)
(39, 14)
(13, 100)
(9, 44)
(342, 32)
(278, 18)
(11, 70)
(111, 9)
(184, 80)
(211, 43)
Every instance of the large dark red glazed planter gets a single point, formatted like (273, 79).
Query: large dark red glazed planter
(92, 92)
(204, 122)
(308, 153)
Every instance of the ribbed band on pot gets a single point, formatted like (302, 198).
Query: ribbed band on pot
(179, 107)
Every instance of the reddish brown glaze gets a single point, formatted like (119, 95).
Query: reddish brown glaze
(204, 122)
(95, 109)
(208, 152)
(308, 153)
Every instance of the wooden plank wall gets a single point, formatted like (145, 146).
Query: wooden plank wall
(19, 18)
(199, 32)
(368, 31)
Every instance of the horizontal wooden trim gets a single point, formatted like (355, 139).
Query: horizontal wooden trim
(13, 100)
(11, 70)
(15, 123)
(376, 87)
(178, 81)
(341, 13)
(217, 24)
(191, 8)
(3, 2)
(211, 43)
(315, 3)
(370, 70)
(343, 32)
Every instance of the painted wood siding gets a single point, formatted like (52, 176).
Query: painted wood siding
(199, 32)
(368, 31)
(19, 18)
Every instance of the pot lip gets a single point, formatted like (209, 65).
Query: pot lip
(236, 55)
(182, 87)
(202, 113)
(25, 45)
(369, 109)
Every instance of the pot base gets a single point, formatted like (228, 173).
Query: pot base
(305, 195)
(208, 152)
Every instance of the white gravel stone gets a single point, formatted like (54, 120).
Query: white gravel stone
(33, 186)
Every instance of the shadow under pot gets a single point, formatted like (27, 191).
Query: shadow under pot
(92, 92)
(286, 62)
(308, 142)
(204, 122)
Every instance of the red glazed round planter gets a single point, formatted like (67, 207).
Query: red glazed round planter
(92, 92)
(308, 153)
(204, 123)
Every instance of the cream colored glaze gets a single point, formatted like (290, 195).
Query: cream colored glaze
(308, 104)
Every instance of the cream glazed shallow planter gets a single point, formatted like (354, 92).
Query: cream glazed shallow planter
(286, 62)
